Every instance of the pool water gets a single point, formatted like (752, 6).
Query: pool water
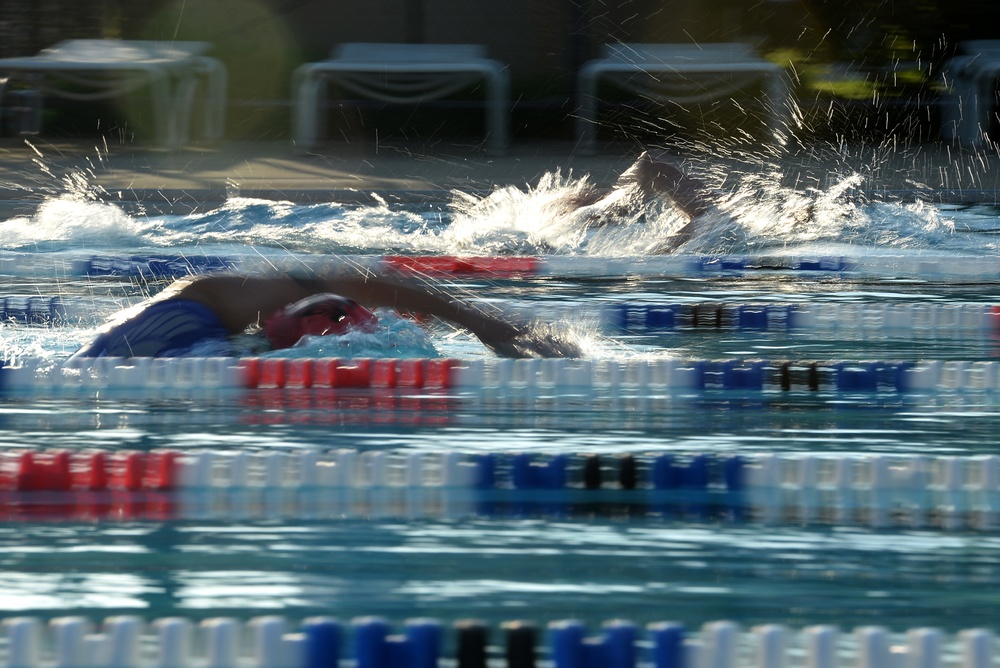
(496, 568)
(502, 569)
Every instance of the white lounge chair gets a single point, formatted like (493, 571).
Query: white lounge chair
(971, 81)
(104, 68)
(685, 73)
(400, 73)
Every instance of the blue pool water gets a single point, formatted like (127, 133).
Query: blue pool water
(501, 568)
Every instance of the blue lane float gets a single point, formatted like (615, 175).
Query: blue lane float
(369, 642)
(614, 648)
(151, 266)
(38, 310)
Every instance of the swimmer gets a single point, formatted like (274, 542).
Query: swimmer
(201, 309)
(654, 177)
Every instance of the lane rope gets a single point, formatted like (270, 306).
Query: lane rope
(370, 642)
(876, 491)
(165, 265)
(516, 376)
(969, 321)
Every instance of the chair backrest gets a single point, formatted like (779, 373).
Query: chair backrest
(711, 52)
(982, 47)
(367, 52)
(122, 50)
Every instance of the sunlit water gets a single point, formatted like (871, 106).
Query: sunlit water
(505, 568)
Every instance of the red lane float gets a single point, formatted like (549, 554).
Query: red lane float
(349, 374)
(995, 318)
(449, 265)
(63, 470)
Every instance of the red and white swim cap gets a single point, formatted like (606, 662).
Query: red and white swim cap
(317, 315)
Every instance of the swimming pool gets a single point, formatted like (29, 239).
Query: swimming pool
(800, 340)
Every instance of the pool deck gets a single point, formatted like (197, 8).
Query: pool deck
(30, 170)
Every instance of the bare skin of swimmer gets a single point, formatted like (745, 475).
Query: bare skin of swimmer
(656, 177)
(242, 301)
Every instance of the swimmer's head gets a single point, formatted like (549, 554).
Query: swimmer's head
(317, 315)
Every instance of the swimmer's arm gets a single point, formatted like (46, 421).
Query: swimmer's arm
(666, 179)
(504, 335)
(239, 301)
(242, 301)
(659, 177)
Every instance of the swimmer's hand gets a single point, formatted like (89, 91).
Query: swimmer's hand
(530, 339)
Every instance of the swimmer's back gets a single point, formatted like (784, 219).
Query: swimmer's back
(165, 328)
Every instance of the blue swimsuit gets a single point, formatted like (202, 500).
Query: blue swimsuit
(169, 328)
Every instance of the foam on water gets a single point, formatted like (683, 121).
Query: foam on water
(66, 222)
(395, 337)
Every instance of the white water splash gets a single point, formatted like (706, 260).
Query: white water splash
(70, 222)
(561, 214)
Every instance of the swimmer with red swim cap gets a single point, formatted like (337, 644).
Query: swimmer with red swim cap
(195, 310)
(320, 315)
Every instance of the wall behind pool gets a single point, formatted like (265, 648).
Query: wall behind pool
(545, 42)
